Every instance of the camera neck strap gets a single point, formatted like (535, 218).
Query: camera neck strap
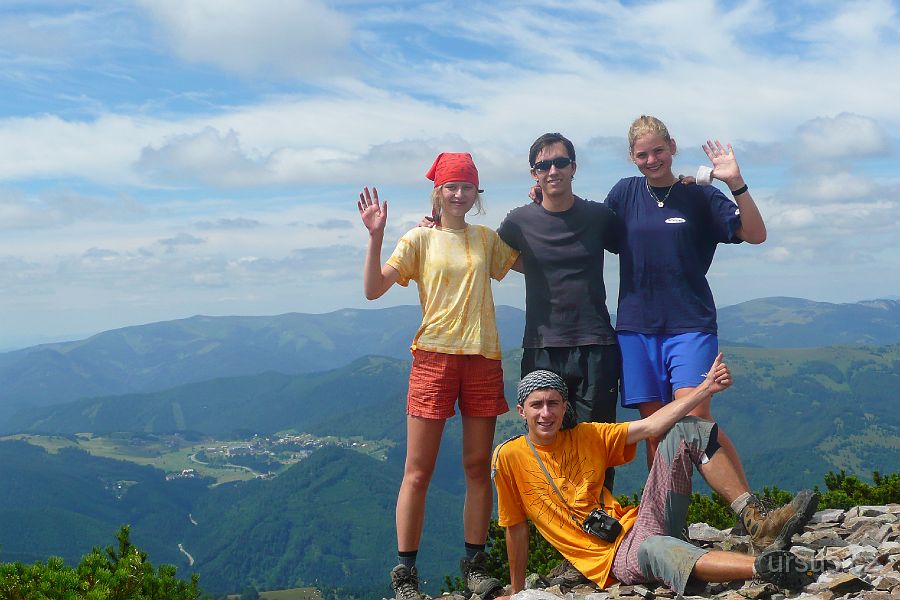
(553, 483)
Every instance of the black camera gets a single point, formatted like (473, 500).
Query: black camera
(603, 525)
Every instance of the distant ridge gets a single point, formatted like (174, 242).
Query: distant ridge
(160, 356)
(783, 322)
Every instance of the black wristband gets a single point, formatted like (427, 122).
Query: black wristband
(739, 191)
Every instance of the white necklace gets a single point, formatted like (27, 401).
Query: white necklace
(659, 203)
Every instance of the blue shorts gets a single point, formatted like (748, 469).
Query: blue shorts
(654, 366)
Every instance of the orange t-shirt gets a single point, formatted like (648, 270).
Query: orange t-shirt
(577, 461)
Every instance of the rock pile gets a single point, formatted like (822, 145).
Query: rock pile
(863, 542)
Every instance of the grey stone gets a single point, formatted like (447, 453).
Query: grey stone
(535, 582)
(829, 516)
(846, 583)
(701, 532)
(886, 582)
(758, 592)
(643, 592)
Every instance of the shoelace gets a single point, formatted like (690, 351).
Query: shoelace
(478, 575)
(763, 506)
(408, 590)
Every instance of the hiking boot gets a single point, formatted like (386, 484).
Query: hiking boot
(405, 581)
(477, 580)
(566, 576)
(773, 530)
(787, 570)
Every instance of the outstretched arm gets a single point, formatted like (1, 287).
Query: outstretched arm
(517, 553)
(377, 279)
(718, 378)
(726, 169)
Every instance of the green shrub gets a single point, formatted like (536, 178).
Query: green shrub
(123, 574)
(845, 491)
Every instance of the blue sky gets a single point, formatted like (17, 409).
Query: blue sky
(161, 159)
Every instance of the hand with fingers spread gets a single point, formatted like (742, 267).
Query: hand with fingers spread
(373, 213)
(725, 166)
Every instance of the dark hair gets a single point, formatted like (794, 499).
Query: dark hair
(548, 139)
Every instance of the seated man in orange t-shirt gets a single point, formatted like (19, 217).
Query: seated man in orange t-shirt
(554, 478)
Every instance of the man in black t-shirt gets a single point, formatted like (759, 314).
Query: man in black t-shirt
(562, 240)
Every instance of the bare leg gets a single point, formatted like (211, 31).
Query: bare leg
(478, 440)
(703, 411)
(423, 440)
(723, 477)
(723, 566)
(646, 409)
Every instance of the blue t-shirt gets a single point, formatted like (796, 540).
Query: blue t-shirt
(666, 252)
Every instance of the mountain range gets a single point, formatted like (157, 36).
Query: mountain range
(159, 356)
(816, 390)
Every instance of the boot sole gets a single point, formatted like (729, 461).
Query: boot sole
(795, 524)
(492, 593)
(791, 576)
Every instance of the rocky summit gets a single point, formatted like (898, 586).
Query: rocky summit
(862, 542)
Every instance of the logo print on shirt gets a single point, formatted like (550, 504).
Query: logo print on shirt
(675, 220)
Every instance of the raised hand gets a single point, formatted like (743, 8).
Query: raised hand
(725, 166)
(373, 214)
(719, 375)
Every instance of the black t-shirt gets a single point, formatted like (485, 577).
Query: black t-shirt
(562, 257)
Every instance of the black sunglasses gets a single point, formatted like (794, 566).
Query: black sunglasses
(560, 162)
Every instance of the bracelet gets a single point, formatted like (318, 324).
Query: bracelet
(739, 191)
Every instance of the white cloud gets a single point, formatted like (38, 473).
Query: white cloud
(846, 135)
(298, 38)
(180, 239)
(834, 187)
(226, 223)
(205, 158)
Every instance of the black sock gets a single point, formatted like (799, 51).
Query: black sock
(473, 549)
(408, 559)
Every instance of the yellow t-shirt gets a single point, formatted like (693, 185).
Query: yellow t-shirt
(577, 462)
(453, 269)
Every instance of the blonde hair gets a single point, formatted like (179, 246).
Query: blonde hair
(645, 125)
(437, 196)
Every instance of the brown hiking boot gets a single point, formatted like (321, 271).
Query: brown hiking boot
(773, 530)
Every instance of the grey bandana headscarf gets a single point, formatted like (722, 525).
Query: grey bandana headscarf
(541, 380)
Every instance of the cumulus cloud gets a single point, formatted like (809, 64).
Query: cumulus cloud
(206, 157)
(296, 38)
(839, 186)
(846, 135)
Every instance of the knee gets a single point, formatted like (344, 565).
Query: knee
(417, 478)
(477, 470)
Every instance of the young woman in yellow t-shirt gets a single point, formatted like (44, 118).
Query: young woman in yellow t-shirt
(456, 355)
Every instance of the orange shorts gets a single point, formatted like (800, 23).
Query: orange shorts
(437, 380)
